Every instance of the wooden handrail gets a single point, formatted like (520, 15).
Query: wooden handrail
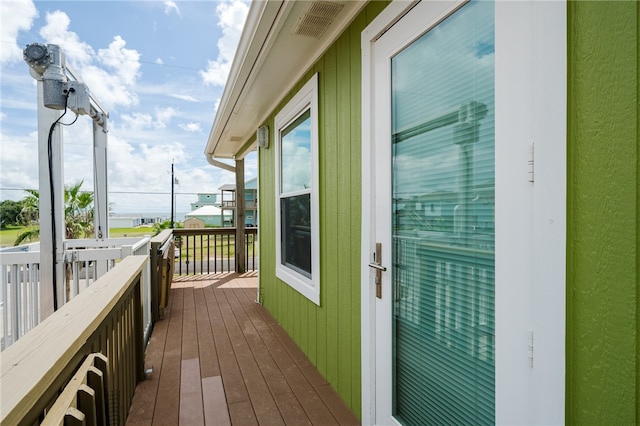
(162, 266)
(106, 318)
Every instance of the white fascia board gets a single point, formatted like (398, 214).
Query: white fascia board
(267, 25)
(257, 27)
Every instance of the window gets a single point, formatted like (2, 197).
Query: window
(297, 244)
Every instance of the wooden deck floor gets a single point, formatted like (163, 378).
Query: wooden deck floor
(219, 358)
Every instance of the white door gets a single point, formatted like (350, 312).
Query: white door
(450, 329)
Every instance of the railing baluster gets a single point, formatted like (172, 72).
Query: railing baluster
(215, 253)
(16, 310)
(208, 256)
(187, 254)
(229, 253)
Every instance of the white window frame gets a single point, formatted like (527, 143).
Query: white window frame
(530, 262)
(305, 99)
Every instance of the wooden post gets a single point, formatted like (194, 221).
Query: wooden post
(240, 221)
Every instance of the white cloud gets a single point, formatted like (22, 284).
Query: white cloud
(17, 164)
(126, 62)
(191, 127)
(110, 74)
(15, 16)
(159, 61)
(137, 120)
(232, 16)
(184, 97)
(171, 6)
(144, 121)
(164, 117)
(56, 31)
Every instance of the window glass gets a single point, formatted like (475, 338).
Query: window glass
(295, 213)
(296, 155)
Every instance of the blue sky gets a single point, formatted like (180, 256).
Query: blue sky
(158, 67)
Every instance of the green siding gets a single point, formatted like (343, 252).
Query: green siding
(603, 309)
(330, 334)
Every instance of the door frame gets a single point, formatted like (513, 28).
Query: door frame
(531, 259)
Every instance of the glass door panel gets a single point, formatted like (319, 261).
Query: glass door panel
(442, 119)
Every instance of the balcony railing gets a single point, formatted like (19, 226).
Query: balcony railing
(107, 318)
(212, 250)
(85, 261)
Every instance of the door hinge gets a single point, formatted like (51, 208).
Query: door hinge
(531, 164)
(530, 348)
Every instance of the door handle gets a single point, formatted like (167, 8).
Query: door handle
(377, 265)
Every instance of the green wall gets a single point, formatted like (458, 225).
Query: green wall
(603, 309)
(330, 334)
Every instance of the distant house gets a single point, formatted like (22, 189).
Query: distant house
(205, 199)
(193, 222)
(448, 202)
(209, 215)
(132, 221)
(124, 221)
(228, 202)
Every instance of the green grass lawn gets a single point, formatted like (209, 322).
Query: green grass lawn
(8, 236)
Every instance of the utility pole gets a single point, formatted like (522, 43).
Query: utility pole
(173, 181)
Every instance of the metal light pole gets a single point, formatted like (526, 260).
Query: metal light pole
(59, 89)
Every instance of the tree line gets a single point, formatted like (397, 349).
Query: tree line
(78, 213)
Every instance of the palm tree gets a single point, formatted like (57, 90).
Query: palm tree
(78, 214)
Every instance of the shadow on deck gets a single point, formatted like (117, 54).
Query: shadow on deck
(218, 357)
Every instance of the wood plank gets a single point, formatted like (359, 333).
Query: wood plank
(261, 399)
(281, 348)
(339, 409)
(291, 410)
(168, 400)
(216, 411)
(232, 378)
(209, 365)
(294, 352)
(189, 327)
(241, 413)
(246, 315)
(144, 399)
(191, 406)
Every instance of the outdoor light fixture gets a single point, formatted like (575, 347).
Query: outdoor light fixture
(38, 56)
(263, 136)
(48, 63)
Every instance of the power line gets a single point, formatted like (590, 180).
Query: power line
(99, 58)
(117, 192)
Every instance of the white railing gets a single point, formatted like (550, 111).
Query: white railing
(19, 295)
(85, 261)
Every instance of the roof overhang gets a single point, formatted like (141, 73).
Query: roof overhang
(275, 50)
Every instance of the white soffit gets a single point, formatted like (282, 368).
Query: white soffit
(280, 42)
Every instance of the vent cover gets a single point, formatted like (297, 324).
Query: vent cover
(317, 18)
